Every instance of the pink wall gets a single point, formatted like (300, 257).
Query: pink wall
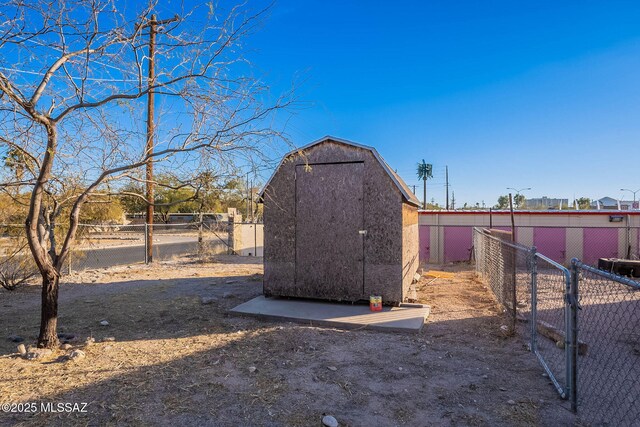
(599, 243)
(551, 242)
(425, 243)
(457, 243)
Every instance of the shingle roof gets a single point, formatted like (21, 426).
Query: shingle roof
(402, 186)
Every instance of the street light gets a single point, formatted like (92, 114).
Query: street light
(634, 195)
(518, 190)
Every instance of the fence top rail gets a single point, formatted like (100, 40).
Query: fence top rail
(620, 279)
(157, 224)
(513, 245)
(565, 270)
(576, 227)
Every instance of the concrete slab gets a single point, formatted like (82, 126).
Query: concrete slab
(406, 318)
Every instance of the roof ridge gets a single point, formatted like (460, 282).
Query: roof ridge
(398, 181)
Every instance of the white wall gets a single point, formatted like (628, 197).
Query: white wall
(248, 239)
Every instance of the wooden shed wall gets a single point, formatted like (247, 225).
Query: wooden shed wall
(410, 246)
(383, 248)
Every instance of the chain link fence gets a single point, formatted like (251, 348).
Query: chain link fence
(16, 263)
(103, 246)
(582, 324)
(109, 245)
(453, 243)
(549, 319)
(505, 267)
(608, 327)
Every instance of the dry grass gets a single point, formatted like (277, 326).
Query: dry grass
(178, 361)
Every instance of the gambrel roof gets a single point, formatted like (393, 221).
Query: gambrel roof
(407, 194)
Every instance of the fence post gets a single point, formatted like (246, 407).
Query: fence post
(146, 243)
(201, 234)
(572, 336)
(534, 300)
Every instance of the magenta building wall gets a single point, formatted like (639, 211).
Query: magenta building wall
(425, 243)
(447, 236)
(599, 243)
(551, 242)
(457, 243)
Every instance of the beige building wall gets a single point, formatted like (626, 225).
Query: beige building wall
(525, 222)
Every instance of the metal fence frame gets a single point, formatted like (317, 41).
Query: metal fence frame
(565, 390)
(628, 242)
(503, 283)
(102, 245)
(621, 408)
(575, 351)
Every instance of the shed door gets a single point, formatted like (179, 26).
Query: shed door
(329, 218)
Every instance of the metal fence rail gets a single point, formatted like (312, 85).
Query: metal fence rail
(549, 320)
(441, 243)
(109, 245)
(608, 325)
(584, 326)
(102, 246)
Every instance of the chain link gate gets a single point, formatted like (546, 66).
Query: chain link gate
(536, 290)
(550, 319)
(607, 360)
(584, 326)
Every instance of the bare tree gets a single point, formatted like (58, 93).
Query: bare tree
(72, 90)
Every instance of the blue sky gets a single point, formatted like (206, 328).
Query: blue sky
(506, 94)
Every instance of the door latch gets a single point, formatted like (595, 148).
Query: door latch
(363, 232)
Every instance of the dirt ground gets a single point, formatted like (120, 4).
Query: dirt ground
(177, 361)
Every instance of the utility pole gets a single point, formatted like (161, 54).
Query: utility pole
(424, 196)
(453, 200)
(152, 24)
(251, 199)
(248, 196)
(447, 185)
(414, 189)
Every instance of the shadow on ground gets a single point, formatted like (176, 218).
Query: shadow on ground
(176, 360)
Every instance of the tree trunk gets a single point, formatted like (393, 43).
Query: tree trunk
(424, 201)
(49, 314)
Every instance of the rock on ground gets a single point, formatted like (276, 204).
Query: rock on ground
(208, 300)
(77, 354)
(329, 421)
(37, 353)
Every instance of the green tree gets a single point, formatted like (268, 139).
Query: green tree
(503, 202)
(18, 162)
(132, 198)
(204, 193)
(103, 211)
(425, 171)
(584, 203)
(518, 200)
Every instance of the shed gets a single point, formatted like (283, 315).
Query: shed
(339, 224)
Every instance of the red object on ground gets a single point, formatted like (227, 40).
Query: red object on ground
(375, 303)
